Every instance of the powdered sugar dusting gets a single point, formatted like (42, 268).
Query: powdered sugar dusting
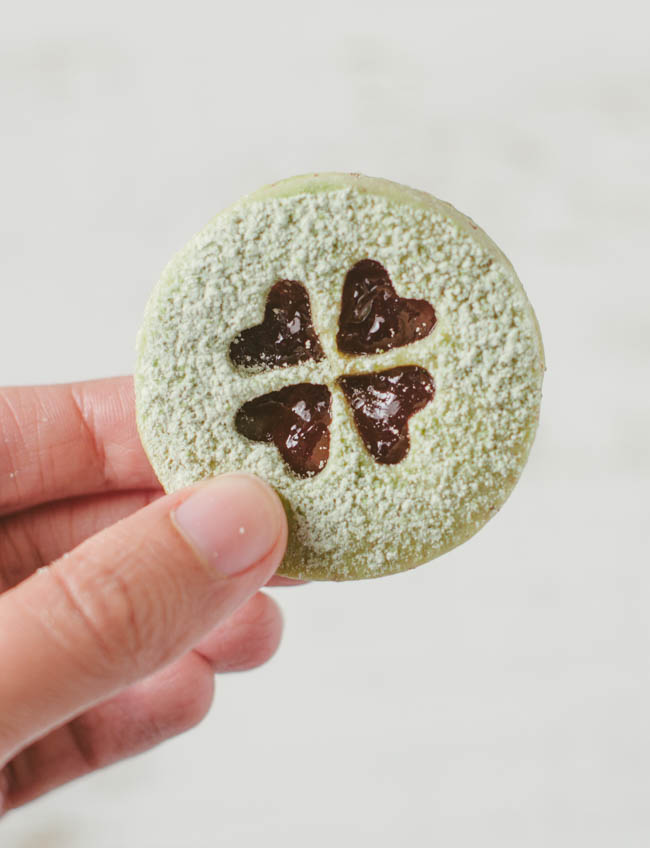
(356, 518)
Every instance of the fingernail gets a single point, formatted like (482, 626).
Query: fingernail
(234, 521)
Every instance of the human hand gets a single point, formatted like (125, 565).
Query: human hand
(110, 633)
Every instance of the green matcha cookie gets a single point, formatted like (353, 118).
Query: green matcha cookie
(363, 347)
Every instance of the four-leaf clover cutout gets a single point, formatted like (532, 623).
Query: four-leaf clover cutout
(373, 319)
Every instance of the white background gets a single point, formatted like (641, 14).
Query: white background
(499, 697)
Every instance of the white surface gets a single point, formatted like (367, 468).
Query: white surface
(501, 696)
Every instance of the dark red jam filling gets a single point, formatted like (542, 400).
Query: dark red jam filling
(374, 317)
(286, 336)
(382, 404)
(296, 419)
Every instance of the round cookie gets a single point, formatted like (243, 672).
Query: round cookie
(363, 347)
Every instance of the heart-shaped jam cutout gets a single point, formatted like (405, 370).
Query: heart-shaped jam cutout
(374, 317)
(382, 404)
(296, 419)
(286, 336)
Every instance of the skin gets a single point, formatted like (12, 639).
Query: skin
(112, 621)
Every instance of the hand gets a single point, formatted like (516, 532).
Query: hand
(109, 638)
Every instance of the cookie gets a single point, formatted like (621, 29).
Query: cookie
(363, 347)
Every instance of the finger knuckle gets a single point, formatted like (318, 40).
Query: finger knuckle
(108, 614)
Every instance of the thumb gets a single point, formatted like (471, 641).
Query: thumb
(131, 599)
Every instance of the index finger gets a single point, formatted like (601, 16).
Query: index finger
(69, 440)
